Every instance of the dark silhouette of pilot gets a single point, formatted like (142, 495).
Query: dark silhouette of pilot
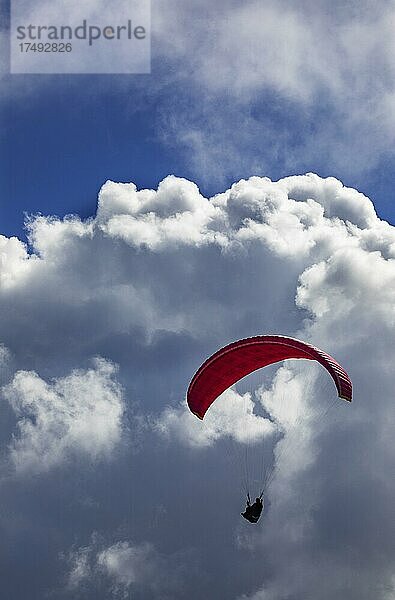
(253, 511)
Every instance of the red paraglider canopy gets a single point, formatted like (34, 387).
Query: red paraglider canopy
(235, 361)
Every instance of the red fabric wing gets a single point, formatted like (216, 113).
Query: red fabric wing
(235, 361)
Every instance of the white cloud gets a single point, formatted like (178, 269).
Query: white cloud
(125, 567)
(156, 282)
(88, 269)
(323, 71)
(14, 261)
(298, 85)
(128, 564)
(232, 415)
(174, 214)
(80, 571)
(350, 278)
(79, 413)
(290, 50)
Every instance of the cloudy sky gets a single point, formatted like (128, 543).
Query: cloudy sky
(243, 187)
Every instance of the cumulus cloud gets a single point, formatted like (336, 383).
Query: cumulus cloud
(232, 415)
(125, 567)
(79, 413)
(174, 214)
(96, 271)
(157, 281)
(13, 260)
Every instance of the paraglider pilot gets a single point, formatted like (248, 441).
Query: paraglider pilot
(253, 511)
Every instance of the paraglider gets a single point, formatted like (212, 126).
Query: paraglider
(238, 359)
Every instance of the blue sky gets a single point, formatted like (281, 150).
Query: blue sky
(136, 129)
(244, 187)
(95, 130)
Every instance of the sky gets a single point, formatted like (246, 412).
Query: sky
(243, 187)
